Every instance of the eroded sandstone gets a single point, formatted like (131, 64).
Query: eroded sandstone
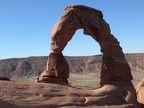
(140, 92)
(41, 95)
(114, 65)
(115, 71)
(57, 70)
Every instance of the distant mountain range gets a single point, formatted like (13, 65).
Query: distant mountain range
(78, 64)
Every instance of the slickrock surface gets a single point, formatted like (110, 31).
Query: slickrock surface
(46, 95)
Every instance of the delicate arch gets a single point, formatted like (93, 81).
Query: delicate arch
(115, 72)
(114, 65)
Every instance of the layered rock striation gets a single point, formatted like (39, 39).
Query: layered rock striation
(114, 65)
(57, 69)
(33, 66)
(115, 69)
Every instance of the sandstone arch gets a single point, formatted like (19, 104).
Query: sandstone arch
(116, 77)
(114, 65)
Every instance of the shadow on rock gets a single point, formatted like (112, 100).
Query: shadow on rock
(4, 104)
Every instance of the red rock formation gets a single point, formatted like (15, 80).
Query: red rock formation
(114, 65)
(115, 69)
(140, 92)
(57, 69)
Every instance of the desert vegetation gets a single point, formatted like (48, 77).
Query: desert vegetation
(83, 80)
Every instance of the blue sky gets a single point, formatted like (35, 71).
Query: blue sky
(26, 26)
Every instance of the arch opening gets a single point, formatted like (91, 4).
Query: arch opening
(84, 69)
(81, 45)
(114, 65)
(115, 72)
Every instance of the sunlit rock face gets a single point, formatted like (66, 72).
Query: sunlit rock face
(114, 65)
(115, 72)
(140, 92)
(57, 69)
